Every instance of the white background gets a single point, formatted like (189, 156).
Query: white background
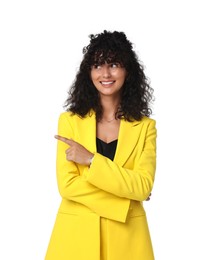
(40, 50)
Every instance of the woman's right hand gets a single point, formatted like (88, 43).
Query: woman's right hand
(76, 152)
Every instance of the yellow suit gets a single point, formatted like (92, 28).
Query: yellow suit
(101, 214)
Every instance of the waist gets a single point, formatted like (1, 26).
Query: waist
(71, 207)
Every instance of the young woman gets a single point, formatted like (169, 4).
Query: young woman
(106, 157)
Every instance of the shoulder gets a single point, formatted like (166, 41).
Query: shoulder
(145, 121)
(146, 124)
(70, 117)
(148, 120)
(149, 124)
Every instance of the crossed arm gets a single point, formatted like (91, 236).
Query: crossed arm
(78, 153)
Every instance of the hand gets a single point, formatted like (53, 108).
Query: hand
(76, 152)
(148, 197)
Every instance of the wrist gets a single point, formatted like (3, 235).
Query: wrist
(91, 159)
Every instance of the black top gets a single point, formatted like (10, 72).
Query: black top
(106, 149)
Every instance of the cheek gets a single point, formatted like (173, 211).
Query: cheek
(93, 75)
(121, 74)
(122, 77)
(94, 79)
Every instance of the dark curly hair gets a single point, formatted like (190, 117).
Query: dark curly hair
(136, 93)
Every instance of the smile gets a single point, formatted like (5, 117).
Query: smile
(106, 82)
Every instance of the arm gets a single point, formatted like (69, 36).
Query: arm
(136, 183)
(74, 186)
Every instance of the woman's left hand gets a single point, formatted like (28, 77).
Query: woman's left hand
(76, 152)
(148, 197)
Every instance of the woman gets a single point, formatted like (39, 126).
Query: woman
(106, 157)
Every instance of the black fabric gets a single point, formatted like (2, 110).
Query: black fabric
(106, 149)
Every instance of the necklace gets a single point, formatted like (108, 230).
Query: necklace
(108, 121)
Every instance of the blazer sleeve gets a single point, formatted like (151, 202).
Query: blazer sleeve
(134, 184)
(74, 186)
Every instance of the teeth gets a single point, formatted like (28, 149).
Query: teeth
(107, 83)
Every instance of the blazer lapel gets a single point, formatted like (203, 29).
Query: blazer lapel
(87, 132)
(127, 140)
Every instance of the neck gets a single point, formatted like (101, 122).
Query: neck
(110, 106)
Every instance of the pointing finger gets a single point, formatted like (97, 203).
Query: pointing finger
(64, 139)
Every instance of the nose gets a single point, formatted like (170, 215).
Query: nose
(106, 71)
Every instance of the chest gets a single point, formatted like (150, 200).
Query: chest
(108, 132)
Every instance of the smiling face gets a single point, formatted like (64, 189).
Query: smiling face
(108, 78)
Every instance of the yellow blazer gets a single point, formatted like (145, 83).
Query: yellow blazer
(113, 190)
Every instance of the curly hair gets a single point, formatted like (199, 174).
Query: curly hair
(136, 93)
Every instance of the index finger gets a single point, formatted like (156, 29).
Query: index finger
(63, 139)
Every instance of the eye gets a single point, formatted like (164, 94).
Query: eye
(115, 65)
(96, 66)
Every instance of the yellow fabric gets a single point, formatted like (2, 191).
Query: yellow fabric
(106, 192)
